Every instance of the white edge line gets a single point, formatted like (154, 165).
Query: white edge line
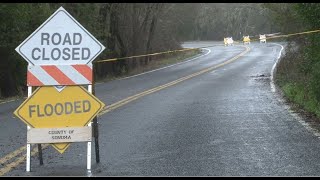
(3, 102)
(209, 51)
(273, 89)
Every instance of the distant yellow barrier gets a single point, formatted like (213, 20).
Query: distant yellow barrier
(246, 40)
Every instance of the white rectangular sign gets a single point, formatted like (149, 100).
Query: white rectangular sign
(59, 135)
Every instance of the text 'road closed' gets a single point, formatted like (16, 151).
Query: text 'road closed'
(60, 47)
(58, 109)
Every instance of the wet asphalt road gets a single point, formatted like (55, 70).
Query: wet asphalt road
(226, 122)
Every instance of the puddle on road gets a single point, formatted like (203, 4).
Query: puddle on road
(261, 77)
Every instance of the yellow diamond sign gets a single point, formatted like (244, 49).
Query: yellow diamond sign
(74, 106)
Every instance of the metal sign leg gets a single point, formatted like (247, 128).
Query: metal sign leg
(95, 131)
(40, 154)
(28, 157)
(89, 154)
(89, 143)
(96, 139)
(28, 145)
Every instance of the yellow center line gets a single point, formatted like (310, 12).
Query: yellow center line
(12, 154)
(113, 106)
(19, 160)
(158, 88)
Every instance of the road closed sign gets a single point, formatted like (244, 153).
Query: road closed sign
(48, 108)
(60, 40)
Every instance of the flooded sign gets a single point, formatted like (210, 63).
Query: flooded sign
(48, 108)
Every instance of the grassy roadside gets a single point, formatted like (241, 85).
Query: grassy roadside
(294, 79)
(301, 98)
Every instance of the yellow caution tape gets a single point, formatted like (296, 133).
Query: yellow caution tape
(288, 35)
(187, 49)
(153, 54)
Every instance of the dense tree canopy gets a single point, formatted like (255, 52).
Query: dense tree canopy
(128, 29)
